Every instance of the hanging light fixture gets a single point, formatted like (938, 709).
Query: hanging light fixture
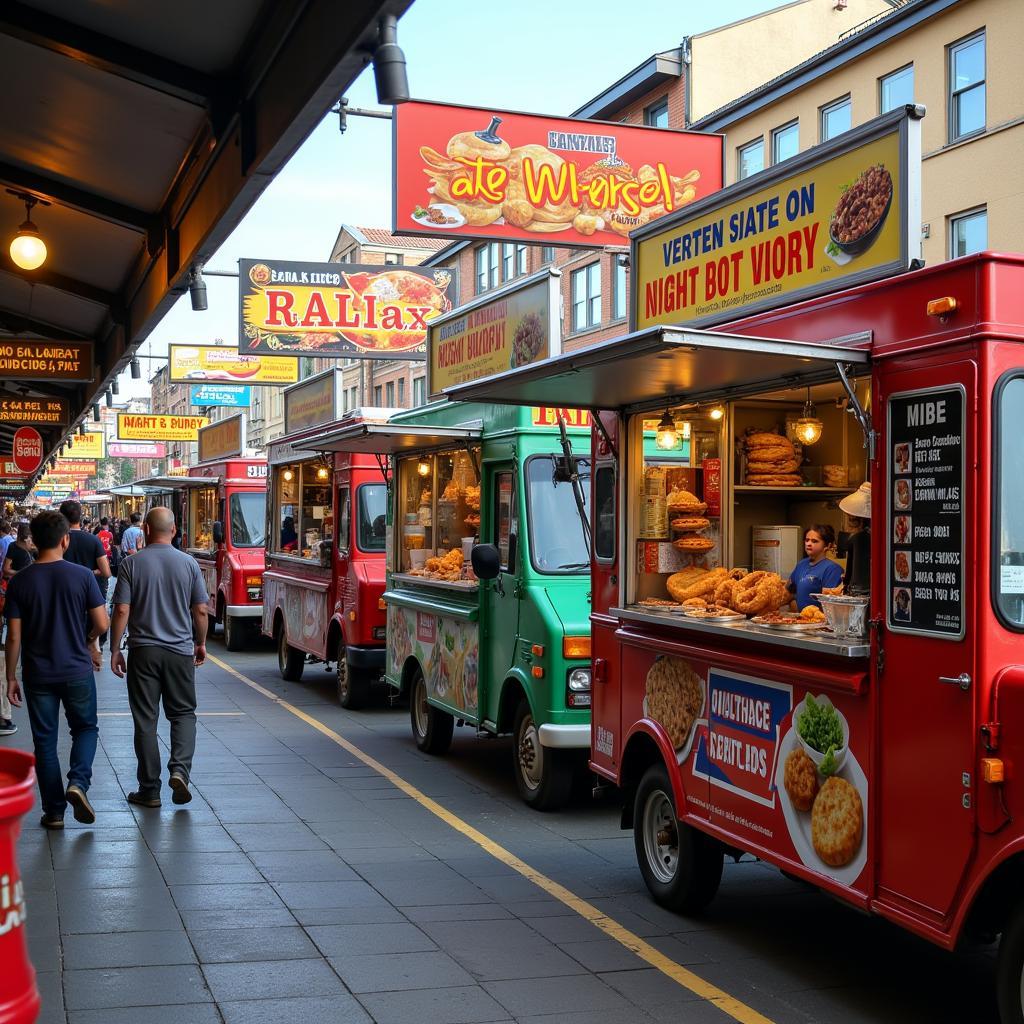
(666, 438)
(28, 250)
(108, 397)
(323, 473)
(809, 427)
(96, 412)
(136, 369)
(197, 289)
(716, 412)
(115, 388)
(288, 476)
(423, 467)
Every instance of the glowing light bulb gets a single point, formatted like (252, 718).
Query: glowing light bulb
(666, 437)
(28, 250)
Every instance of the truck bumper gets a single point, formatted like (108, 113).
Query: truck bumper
(565, 737)
(244, 611)
(369, 657)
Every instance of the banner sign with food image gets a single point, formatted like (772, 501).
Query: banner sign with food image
(447, 648)
(344, 310)
(763, 758)
(478, 172)
(840, 214)
(512, 327)
(224, 364)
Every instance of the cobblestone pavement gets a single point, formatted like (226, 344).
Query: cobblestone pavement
(301, 886)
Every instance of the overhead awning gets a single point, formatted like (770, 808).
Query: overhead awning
(139, 489)
(392, 438)
(177, 483)
(664, 365)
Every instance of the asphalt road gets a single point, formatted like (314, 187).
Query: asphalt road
(780, 947)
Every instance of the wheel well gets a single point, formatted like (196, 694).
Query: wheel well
(333, 642)
(408, 671)
(278, 625)
(511, 694)
(997, 899)
(220, 607)
(640, 753)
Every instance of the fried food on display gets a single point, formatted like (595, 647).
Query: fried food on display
(693, 542)
(683, 503)
(812, 613)
(772, 460)
(703, 586)
(446, 567)
(690, 524)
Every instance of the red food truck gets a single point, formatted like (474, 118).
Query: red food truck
(222, 521)
(325, 544)
(866, 742)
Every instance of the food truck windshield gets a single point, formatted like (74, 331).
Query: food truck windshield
(557, 543)
(247, 510)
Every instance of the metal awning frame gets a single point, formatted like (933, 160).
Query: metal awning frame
(178, 483)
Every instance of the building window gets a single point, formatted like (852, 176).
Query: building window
(419, 391)
(968, 232)
(393, 259)
(520, 259)
(378, 396)
(353, 400)
(750, 159)
(547, 254)
(656, 115)
(785, 142)
(618, 289)
(401, 392)
(586, 297)
(487, 267)
(508, 261)
(836, 118)
(896, 89)
(389, 394)
(967, 87)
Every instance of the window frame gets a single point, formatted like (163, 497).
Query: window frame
(740, 150)
(777, 132)
(585, 272)
(378, 396)
(952, 93)
(389, 394)
(355, 506)
(619, 275)
(997, 478)
(528, 506)
(547, 255)
(653, 110)
(229, 524)
(892, 74)
(511, 554)
(955, 218)
(508, 261)
(825, 109)
(601, 466)
(193, 525)
(343, 519)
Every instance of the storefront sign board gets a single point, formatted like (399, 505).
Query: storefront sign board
(90, 445)
(226, 365)
(75, 467)
(314, 401)
(233, 396)
(137, 450)
(46, 411)
(28, 449)
(484, 173)
(146, 427)
(223, 439)
(31, 359)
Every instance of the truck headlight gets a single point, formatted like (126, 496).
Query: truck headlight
(577, 685)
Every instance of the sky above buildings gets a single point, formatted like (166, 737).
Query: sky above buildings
(535, 55)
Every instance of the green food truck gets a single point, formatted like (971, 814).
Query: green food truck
(500, 489)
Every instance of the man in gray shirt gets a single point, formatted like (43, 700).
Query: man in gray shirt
(161, 598)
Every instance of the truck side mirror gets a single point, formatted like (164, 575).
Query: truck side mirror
(218, 533)
(486, 561)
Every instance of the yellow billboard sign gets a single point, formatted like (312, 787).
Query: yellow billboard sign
(220, 364)
(159, 427)
(836, 216)
(90, 445)
(512, 327)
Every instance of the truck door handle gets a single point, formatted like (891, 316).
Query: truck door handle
(963, 681)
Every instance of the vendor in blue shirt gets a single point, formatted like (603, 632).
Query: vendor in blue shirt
(815, 572)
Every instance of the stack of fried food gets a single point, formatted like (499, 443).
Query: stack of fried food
(684, 513)
(752, 593)
(473, 504)
(444, 567)
(772, 461)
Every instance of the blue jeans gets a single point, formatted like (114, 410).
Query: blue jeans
(44, 701)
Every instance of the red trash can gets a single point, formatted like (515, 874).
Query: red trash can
(19, 997)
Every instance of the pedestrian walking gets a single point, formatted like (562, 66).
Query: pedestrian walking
(161, 598)
(20, 554)
(132, 538)
(6, 537)
(84, 548)
(55, 598)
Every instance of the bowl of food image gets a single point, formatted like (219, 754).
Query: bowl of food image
(903, 494)
(861, 211)
(823, 733)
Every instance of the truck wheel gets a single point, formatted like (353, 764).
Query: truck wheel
(681, 866)
(234, 633)
(1010, 969)
(432, 728)
(543, 776)
(353, 685)
(290, 661)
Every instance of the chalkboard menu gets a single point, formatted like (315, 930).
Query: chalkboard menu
(926, 512)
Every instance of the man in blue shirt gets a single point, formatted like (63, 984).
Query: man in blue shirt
(6, 538)
(55, 615)
(133, 539)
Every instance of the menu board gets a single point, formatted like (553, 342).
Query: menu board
(926, 512)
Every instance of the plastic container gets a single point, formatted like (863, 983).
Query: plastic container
(847, 616)
(19, 998)
(418, 557)
(467, 547)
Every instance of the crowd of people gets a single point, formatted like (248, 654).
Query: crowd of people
(66, 577)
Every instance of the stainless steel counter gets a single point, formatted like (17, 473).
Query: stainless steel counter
(459, 586)
(820, 643)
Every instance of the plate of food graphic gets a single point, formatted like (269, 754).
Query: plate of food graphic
(675, 698)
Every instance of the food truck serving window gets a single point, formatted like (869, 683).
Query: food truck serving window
(1008, 503)
(202, 514)
(248, 514)
(557, 541)
(302, 508)
(372, 502)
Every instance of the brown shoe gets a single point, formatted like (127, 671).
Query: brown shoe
(180, 793)
(80, 806)
(143, 800)
(52, 821)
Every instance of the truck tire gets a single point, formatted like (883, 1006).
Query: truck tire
(234, 632)
(353, 684)
(1010, 969)
(543, 775)
(290, 661)
(432, 728)
(681, 866)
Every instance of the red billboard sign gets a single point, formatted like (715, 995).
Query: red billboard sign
(28, 449)
(477, 172)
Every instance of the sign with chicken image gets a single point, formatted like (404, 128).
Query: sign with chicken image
(471, 171)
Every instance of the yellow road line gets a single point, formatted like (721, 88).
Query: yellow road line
(687, 979)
